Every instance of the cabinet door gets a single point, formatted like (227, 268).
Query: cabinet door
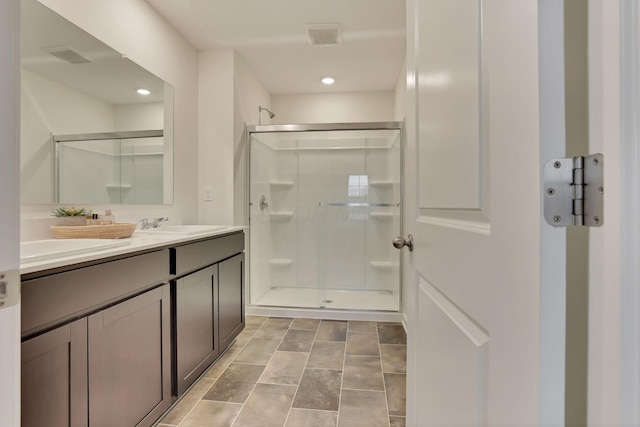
(54, 377)
(130, 361)
(230, 299)
(197, 347)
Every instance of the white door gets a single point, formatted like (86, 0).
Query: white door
(484, 292)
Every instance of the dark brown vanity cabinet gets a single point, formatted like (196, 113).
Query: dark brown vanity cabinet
(130, 361)
(112, 368)
(114, 342)
(109, 363)
(231, 299)
(196, 325)
(209, 304)
(54, 377)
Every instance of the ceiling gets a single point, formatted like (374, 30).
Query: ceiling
(271, 38)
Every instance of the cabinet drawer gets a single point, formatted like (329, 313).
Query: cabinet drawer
(51, 300)
(193, 256)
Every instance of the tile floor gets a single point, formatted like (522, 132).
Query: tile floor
(285, 372)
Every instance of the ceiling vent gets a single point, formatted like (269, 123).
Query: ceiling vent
(324, 34)
(68, 54)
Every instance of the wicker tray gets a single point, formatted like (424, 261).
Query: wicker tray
(118, 230)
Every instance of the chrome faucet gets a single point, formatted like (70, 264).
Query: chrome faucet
(146, 225)
(158, 220)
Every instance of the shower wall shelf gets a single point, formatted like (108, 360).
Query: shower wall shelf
(280, 262)
(281, 216)
(383, 216)
(383, 265)
(281, 184)
(328, 148)
(383, 183)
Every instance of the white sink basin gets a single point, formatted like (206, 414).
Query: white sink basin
(40, 250)
(184, 229)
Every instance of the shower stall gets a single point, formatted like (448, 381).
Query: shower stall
(112, 167)
(324, 207)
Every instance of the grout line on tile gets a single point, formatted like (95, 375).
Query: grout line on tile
(344, 358)
(324, 369)
(364, 389)
(301, 375)
(243, 363)
(384, 384)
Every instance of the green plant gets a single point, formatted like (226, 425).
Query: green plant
(70, 212)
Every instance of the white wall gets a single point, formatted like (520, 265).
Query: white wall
(134, 29)
(215, 110)
(401, 93)
(334, 107)
(41, 115)
(229, 96)
(249, 94)
(9, 208)
(149, 116)
(79, 113)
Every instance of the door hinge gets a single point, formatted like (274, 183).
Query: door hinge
(574, 191)
(9, 288)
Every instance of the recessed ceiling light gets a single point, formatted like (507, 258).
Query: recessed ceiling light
(328, 80)
(143, 91)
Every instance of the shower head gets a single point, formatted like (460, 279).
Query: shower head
(271, 115)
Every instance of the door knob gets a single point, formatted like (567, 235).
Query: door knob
(399, 242)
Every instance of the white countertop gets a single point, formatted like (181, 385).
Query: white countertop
(139, 242)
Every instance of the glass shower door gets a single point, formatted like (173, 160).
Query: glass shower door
(324, 208)
(361, 200)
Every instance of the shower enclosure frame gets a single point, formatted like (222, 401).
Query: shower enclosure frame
(96, 136)
(324, 127)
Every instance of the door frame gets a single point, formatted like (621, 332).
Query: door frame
(10, 205)
(630, 212)
(553, 285)
(614, 296)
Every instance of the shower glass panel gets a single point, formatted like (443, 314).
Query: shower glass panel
(324, 208)
(106, 168)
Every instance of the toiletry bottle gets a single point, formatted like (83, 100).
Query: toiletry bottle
(107, 218)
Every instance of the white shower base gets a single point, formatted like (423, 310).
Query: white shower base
(329, 299)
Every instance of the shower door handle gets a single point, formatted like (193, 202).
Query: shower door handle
(399, 242)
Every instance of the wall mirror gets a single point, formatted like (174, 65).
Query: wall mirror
(87, 135)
